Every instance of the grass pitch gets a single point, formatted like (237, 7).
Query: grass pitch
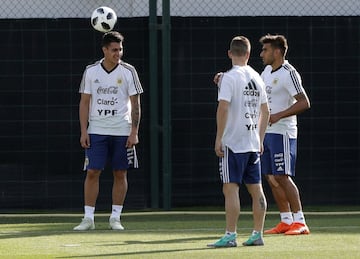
(173, 234)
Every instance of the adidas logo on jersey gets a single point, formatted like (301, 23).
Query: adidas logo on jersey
(251, 89)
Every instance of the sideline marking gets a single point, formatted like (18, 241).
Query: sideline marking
(154, 213)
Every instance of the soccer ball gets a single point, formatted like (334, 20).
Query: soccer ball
(103, 19)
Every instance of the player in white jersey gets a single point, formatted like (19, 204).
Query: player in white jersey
(287, 98)
(109, 112)
(242, 116)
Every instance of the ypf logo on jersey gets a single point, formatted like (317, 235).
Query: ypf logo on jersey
(251, 89)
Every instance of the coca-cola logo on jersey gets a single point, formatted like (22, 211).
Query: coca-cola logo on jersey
(107, 90)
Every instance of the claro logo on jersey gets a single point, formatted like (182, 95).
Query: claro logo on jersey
(111, 102)
(251, 89)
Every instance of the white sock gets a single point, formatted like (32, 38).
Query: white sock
(286, 217)
(89, 212)
(254, 232)
(299, 217)
(116, 211)
(229, 233)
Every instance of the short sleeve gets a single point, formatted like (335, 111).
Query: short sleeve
(294, 83)
(225, 88)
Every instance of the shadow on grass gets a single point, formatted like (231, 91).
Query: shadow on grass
(165, 241)
(153, 242)
(137, 253)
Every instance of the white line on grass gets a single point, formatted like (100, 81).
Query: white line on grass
(154, 213)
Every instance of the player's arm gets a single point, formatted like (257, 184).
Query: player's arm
(221, 118)
(263, 122)
(84, 107)
(302, 103)
(133, 138)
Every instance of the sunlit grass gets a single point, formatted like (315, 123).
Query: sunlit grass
(175, 235)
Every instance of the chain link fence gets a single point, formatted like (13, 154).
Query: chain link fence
(265, 8)
(140, 8)
(17, 9)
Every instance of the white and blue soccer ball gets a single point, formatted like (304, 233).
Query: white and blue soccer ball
(103, 19)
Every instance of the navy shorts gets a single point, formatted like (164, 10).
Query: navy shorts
(240, 167)
(279, 155)
(112, 149)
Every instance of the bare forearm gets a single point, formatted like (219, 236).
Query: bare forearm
(302, 104)
(135, 114)
(263, 121)
(295, 109)
(221, 118)
(83, 117)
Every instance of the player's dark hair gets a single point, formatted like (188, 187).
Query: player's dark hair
(111, 36)
(239, 46)
(276, 42)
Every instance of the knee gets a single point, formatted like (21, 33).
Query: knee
(272, 180)
(230, 189)
(120, 176)
(92, 175)
(282, 180)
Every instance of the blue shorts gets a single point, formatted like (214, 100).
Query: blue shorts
(104, 148)
(240, 167)
(279, 155)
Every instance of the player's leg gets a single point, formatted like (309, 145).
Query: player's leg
(299, 225)
(94, 162)
(259, 211)
(232, 210)
(284, 178)
(91, 187)
(290, 190)
(122, 159)
(252, 179)
(120, 187)
(278, 194)
(232, 205)
(258, 205)
(230, 177)
(271, 162)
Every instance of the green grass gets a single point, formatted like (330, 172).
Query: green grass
(174, 234)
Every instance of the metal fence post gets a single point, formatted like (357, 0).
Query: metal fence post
(166, 70)
(154, 110)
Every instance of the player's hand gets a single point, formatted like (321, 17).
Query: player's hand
(219, 148)
(274, 118)
(132, 140)
(217, 77)
(85, 140)
(261, 148)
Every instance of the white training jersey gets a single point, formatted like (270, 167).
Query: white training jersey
(244, 89)
(281, 87)
(110, 106)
